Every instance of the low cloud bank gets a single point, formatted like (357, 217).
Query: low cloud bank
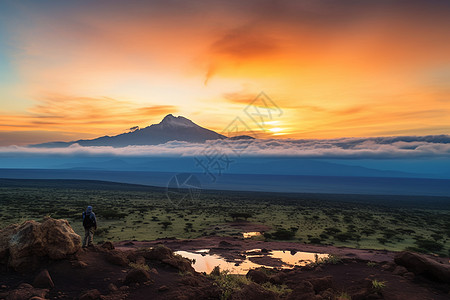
(379, 147)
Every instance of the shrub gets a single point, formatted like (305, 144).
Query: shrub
(283, 234)
(429, 245)
(378, 285)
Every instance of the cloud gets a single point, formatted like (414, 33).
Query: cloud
(87, 114)
(358, 148)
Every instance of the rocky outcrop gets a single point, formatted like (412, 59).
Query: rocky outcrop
(166, 255)
(23, 247)
(422, 265)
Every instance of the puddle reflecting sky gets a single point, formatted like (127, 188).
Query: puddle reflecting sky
(205, 262)
(248, 235)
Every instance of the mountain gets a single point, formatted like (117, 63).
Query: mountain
(171, 128)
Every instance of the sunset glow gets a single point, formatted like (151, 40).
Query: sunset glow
(81, 69)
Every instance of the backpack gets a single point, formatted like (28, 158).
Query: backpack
(88, 221)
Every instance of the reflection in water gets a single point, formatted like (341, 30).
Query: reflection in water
(205, 262)
(296, 258)
(250, 234)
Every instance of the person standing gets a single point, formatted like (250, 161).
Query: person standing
(90, 225)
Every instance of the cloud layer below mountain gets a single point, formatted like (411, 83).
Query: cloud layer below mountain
(380, 147)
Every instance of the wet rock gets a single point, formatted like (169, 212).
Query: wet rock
(422, 265)
(399, 270)
(117, 257)
(137, 276)
(90, 295)
(108, 246)
(304, 291)
(253, 291)
(43, 280)
(25, 246)
(257, 276)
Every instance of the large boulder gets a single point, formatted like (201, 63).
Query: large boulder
(24, 246)
(422, 265)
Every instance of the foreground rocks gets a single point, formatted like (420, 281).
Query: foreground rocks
(111, 272)
(421, 265)
(24, 247)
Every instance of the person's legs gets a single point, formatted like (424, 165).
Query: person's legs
(86, 237)
(91, 236)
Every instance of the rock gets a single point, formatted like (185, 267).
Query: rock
(303, 291)
(257, 276)
(124, 288)
(137, 276)
(23, 247)
(321, 283)
(117, 257)
(409, 275)
(163, 288)
(181, 263)
(112, 287)
(43, 280)
(23, 286)
(328, 294)
(140, 260)
(390, 266)
(108, 246)
(361, 294)
(90, 295)
(421, 265)
(159, 252)
(25, 291)
(5, 235)
(224, 244)
(154, 271)
(36, 298)
(79, 264)
(253, 291)
(399, 270)
(277, 278)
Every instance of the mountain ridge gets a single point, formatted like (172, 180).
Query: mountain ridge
(170, 128)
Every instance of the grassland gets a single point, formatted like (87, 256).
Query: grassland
(131, 212)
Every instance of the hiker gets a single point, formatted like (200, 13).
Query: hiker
(90, 225)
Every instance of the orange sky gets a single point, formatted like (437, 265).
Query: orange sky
(71, 70)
